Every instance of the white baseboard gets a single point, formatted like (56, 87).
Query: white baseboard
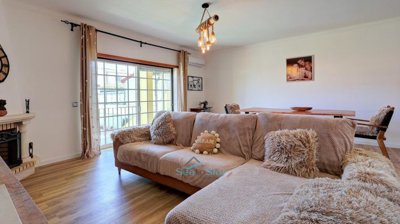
(57, 159)
(374, 143)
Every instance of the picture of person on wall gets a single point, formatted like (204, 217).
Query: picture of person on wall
(299, 69)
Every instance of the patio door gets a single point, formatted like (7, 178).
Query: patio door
(130, 94)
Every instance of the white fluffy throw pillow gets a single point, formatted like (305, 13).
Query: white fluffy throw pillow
(162, 129)
(292, 152)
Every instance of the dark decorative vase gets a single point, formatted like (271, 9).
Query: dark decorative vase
(27, 107)
(3, 110)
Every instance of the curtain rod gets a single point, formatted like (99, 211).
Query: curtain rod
(73, 25)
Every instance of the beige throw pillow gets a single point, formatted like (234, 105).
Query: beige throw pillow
(162, 129)
(207, 143)
(292, 152)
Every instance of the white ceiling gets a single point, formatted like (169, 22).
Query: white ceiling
(241, 21)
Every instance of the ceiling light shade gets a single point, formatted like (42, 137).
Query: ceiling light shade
(206, 38)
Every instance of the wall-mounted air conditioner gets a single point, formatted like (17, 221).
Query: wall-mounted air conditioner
(196, 61)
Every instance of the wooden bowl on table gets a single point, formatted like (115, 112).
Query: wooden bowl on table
(301, 109)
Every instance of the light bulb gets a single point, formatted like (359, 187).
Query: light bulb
(208, 45)
(205, 36)
(203, 50)
(200, 41)
(213, 38)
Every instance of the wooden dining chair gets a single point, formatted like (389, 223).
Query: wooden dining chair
(233, 108)
(376, 127)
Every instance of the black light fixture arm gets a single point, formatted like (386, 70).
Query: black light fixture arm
(205, 7)
(74, 25)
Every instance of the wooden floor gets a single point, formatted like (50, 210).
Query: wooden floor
(90, 191)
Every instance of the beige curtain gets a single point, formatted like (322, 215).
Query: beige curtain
(89, 112)
(182, 80)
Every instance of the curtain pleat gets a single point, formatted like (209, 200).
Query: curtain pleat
(182, 80)
(90, 136)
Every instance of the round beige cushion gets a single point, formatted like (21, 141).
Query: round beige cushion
(207, 143)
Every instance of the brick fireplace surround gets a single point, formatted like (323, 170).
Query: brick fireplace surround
(21, 121)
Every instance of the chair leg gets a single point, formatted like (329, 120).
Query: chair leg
(380, 138)
(119, 171)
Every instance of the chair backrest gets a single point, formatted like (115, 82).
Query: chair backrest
(233, 108)
(383, 117)
(386, 120)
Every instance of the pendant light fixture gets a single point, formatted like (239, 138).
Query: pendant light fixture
(205, 30)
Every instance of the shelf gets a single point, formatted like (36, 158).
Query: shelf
(16, 118)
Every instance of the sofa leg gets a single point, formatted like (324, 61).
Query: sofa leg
(380, 138)
(119, 171)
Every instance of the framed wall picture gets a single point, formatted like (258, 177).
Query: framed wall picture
(195, 83)
(300, 69)
(4, 65)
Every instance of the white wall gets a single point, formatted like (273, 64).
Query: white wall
(44, 58)
(356, 68)
(43, 63)
(9, 88)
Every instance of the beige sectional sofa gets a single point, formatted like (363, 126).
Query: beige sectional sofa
(231, 186)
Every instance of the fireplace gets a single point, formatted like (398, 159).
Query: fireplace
(15, 146)
(10, 147)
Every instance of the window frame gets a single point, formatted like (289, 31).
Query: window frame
(138, 62)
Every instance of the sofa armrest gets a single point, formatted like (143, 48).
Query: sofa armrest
(134, 134)
(116, 144)
(130, 135)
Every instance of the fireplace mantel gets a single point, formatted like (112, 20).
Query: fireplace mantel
(16, 118)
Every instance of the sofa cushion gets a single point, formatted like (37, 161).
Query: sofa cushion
(247, 194)
(144, 154)
(197, 169)
(183, 122)
(292, 152)
(162, 129)
(235, 131)
(335, 136)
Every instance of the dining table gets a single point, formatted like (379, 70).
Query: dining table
(315, 112)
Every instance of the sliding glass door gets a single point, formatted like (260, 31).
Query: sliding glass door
(130, 94)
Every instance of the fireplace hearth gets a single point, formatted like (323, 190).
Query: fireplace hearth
(10, 147)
